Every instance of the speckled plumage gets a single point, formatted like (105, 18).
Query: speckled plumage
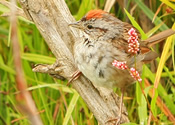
(105, 39)
(102, 43)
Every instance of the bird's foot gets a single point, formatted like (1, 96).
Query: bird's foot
(75, 76)
(116, 121)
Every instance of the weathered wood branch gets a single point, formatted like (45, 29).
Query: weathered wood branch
(52, 18)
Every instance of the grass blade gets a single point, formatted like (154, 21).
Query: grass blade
(71, 108)
(136, 25)
(150, 14)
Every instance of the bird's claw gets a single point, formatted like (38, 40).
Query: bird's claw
(75, 76)
(116, 120)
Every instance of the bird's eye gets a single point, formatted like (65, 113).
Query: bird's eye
(89, 26)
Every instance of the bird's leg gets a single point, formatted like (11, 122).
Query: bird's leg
(121, 105)
(75, 76)
(118, 119)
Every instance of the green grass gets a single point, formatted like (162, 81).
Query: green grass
(59, 104)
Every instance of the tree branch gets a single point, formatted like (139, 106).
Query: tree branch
(52, 18)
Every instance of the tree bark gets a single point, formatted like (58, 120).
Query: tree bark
(52, 18)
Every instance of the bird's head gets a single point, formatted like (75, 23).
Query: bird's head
(98, 24)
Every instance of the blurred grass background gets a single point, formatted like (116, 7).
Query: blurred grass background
(58, 104)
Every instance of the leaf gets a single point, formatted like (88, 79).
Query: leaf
(136, 25)
(150, 14)
(163, 59)
(71, 108)
(53, 86)
(161, 91)
(153, 103)
(153, 30)
(38, 58)
(5, 67)
(85, 6)
(168, 3)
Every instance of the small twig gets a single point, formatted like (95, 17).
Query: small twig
(5, 93)
(108, 5)
(15, 120)
(19, 11)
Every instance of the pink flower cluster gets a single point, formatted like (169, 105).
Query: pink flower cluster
(119, 65)
(133, 41)
(122, 65)
(135, 74)
(133, 47)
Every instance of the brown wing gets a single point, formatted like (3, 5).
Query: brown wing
(121, 42)
(149, 56)
(158, 37)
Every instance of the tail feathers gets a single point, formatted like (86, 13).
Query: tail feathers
(158, 37)
(150, 56)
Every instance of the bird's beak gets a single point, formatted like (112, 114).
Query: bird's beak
(76, 25)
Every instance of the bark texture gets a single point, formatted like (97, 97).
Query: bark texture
(52, 18)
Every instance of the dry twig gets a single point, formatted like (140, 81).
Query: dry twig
(52, 18)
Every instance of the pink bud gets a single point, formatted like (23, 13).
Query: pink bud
(119, 65)
(135, 74)
(133, 41)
